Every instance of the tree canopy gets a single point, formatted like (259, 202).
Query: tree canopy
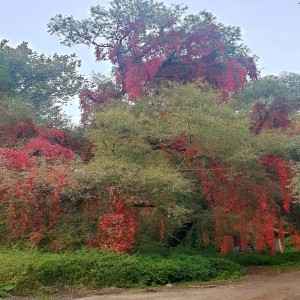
(148, 43)
(43, 81)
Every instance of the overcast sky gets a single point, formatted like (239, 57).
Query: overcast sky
(271, 28)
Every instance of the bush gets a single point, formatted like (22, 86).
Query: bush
(265, 259)
(29, 270)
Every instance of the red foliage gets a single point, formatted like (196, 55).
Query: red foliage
(13, 160)
(242, 208)
(33, 201)
(41, 147)
(275, 116)
(225, 243)
(280, 171)
(295, 240)
(12, 134)
(30, 193)
(177, 54)
(229, 77)
(89, 99)
(117, 230)
(93, 244)
(57, 137)
(31, 182)
(253, 204)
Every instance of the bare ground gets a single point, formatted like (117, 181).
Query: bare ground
(284, 286)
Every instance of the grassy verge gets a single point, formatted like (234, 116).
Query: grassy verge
(25, 271)
(31, 270)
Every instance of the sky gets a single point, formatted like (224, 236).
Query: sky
(270, 28)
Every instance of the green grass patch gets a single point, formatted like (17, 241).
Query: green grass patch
(30, 270)
(265, 259)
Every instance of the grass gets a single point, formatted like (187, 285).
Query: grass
(286, 261)
(30, 270)
(25, 271)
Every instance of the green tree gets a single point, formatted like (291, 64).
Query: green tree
(6, 82)
(42, 81)
(189, 158)
(285, 86)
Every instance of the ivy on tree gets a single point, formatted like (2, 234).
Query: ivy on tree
(148, 43)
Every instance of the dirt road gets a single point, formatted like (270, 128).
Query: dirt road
(284, 286)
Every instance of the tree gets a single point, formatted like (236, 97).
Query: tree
(148, 43)
(191, 159)
(274, 99)
(42, 81)
(178, 156)
(6, 82)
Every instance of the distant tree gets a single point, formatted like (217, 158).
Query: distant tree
(274, 99)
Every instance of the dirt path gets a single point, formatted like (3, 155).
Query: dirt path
(284, 286)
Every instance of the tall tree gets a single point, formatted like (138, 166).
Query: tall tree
(148, 42)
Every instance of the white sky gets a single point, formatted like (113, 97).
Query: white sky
(271, 28)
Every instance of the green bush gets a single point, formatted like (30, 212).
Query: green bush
(30, 270)
(265, 259)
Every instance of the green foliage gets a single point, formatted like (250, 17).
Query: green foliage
(128, 155)
(266, 259)
(5, 289)
(29, 270)
(124, 136)
(42, 81)
(6, 81)
(285, 86)
(14, 109)
(274, 142)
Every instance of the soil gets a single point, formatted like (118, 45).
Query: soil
(260, 284)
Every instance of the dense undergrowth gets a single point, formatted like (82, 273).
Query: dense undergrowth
(281, 261)
(25, 271)
(31, 270)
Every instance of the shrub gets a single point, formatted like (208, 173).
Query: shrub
(29, 270)
(265, 259)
